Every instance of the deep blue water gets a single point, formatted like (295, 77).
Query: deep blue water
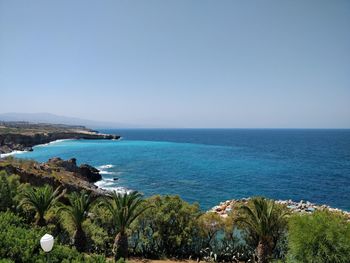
(213, 165)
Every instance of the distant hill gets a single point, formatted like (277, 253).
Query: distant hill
(57, 119)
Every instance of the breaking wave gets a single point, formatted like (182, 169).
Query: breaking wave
(106, 166)
(109, 185)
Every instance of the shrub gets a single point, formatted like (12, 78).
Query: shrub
(16, 242)
(167, 229)
(20, 243)
(211, 225)
(98, 239)
(101, 231)
(320, 237)
(8, 191)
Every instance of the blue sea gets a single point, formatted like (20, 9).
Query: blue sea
(213, 165)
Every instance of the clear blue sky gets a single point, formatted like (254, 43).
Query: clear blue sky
(179, 63)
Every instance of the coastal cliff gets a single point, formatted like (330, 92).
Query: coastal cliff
(22, 136)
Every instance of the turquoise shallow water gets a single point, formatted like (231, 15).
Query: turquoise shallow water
(210, 166)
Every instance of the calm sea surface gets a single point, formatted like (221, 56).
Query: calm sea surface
(213, 165)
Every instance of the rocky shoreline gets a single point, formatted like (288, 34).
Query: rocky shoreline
(226, 207)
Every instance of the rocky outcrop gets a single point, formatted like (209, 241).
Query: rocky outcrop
(56, 172)
(88, 172)
(22, 142)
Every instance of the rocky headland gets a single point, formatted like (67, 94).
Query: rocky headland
(22, 136)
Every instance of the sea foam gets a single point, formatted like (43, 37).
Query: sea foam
(106, 166)
(106, 172)
(108, 184)
(53, 142)
(3, 155)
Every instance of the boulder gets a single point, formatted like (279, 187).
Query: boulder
(69, 165)
(90, 173)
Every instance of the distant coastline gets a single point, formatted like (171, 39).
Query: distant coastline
(17, 137)
(3, 155)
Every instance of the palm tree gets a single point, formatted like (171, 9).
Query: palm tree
(262, 219)
(78, 209)
(125, 208)
(41, 199)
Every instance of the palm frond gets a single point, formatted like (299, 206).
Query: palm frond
(124, 207)
(41, 199)
(261, 217)
(78, 207)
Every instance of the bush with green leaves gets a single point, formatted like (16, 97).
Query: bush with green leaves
(19, 242)
(221, 241)
(8, 191)
(168, 229)
(99, 241)
(211, 225)
(320, 237)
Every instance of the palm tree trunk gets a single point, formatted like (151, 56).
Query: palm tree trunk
(41, 220)
(262, 252)
(80, 239)
(120, 247)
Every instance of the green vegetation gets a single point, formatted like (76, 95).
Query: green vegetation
(125, 208)
(41, 199)
(8, 190)
(264, 222)
(77, 210)
(160, 227)
(320, 237)
(167, 229)
(19, 243)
